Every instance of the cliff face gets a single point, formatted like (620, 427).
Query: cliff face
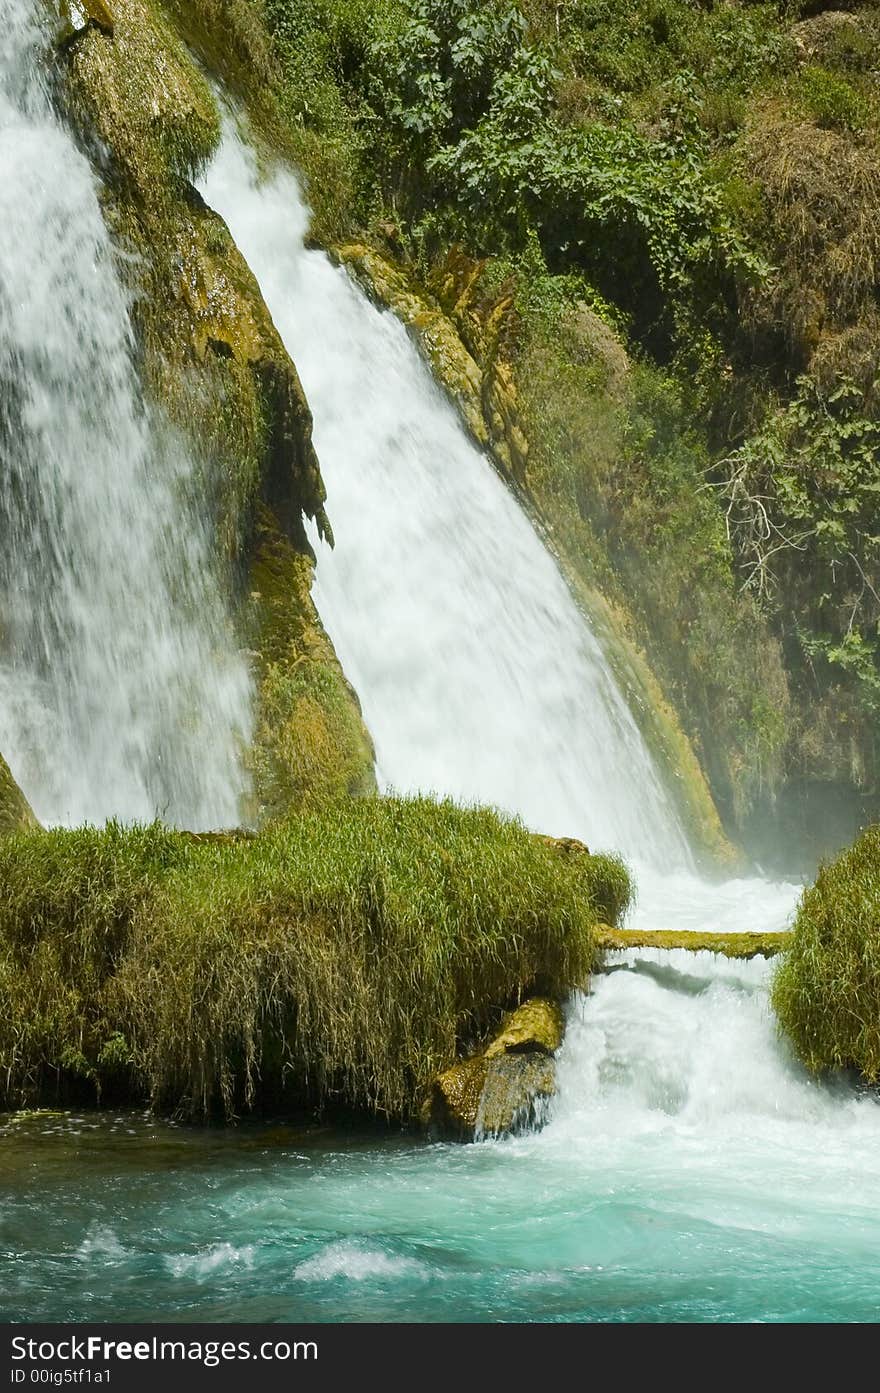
(212, 359)
(673, 214)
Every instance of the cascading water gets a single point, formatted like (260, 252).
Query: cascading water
(478, 675)
(688, 1170)
(121, 690)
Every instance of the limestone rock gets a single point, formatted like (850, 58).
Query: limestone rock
(76, 16)
(742, 945)
(514, 1087)
(535, 1027)
(469, 367)
(565, 846)
(498, 1090)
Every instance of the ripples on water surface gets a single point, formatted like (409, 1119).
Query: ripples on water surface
(689, 1171)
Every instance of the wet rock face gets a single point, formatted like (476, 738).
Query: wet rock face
(76, 16)
(500, 1089)
(462, 349)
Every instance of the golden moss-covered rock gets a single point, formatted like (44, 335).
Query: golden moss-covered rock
(747, 945)
(535, 1027)
(498, 1089)
(212, 357)
(482, 392)
(140, 93)
(515, 1086)
(15, 812)
(77, 15)
(310, 742)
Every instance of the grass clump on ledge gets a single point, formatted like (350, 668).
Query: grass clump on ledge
(826, 992)
(345, 954)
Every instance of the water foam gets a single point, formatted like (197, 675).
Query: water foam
(356, 1262)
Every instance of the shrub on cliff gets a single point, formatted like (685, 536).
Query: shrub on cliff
(345, 954)
(826, 992)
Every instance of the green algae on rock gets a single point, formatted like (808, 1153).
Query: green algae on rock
(732, 945)
(15, 811)
(480, 388)
(310, 742)
(77, 15)
(499, 1088)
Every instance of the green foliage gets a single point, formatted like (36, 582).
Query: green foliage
(833, 101)
(803, 497)
(826, 991)
(321, 48)
(468, 104)
(344, 954)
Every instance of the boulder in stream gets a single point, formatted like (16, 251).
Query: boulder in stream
(499, 1089)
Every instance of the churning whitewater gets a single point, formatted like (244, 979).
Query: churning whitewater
(478, 675)
(689, 1171)
(121, 689)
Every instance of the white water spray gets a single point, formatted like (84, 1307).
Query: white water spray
(479, 677)
(121, 690)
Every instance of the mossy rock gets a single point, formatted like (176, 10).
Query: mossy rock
(15, 811)
(826, 991)
(76, 16)
(310, 742)
(499, 1089)
(143, 96)
(212, 358)
(535, 1027)
(337, 957)
(744, 945)
(483, 396)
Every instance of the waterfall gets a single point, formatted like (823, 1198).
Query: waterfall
(478, 675)
(121, 689)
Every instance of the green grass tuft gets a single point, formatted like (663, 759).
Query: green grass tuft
(826, 991)
(344, 954)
